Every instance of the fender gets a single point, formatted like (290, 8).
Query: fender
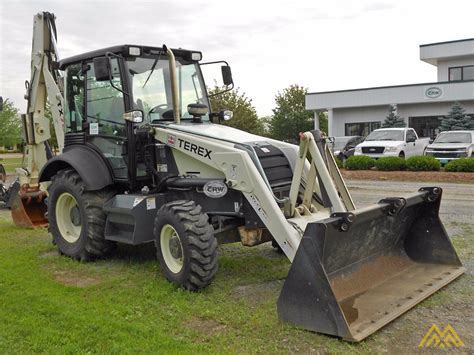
(89, 164)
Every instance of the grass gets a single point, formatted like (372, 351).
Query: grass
(52, 304)
(10, 164)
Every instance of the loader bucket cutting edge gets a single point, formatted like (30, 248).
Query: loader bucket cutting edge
(28, 209)
(355, 272)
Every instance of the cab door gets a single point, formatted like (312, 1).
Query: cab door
(105, 107)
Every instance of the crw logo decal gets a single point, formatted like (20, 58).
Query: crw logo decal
(435, 338)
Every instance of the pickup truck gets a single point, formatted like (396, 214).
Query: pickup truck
(450, 145)
(392, 142)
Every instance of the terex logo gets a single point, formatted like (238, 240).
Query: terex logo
(194, 148)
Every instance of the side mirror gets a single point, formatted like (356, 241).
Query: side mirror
(1, 104)
(102, 69)
(227, 75)
(135, 116)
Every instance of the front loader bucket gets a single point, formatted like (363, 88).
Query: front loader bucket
(28, 207)
(355, 272)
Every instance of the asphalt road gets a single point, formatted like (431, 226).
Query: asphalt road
(457, 204)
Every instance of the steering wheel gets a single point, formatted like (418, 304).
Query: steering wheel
(165, 112)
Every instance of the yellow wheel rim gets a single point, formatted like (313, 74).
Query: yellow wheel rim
(68, 217)
(171, 248)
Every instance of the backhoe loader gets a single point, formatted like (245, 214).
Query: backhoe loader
(145, 160)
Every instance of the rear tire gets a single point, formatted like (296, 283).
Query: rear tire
(76, 218)
(185, 244)
(401, 155)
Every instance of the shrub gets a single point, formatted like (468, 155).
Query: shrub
(339, 163)
(390, 164)
(462, 164)
(359, 162)
(423, 163)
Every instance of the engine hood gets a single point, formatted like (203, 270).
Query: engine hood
(449, 145)
(218, 131)
(380, 144)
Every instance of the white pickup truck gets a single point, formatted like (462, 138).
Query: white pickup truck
(392, 142)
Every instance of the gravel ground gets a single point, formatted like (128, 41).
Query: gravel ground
(457, 204)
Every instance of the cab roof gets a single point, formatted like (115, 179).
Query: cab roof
(124, 50)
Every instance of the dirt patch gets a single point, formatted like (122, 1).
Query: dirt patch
(70, 278)
(49, 254)
(253, 293)
(208, 327)
(439, 176)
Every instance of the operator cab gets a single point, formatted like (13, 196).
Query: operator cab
(111, 92)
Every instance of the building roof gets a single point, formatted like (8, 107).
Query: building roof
(433, 52)
(401, 94)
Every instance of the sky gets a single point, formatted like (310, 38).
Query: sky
(320, 45)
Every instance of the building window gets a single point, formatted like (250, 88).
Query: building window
(461, 73)
(428, 126)
(361, 128)
(425, 126)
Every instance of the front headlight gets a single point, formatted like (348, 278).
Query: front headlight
(358, 149)
(390, 149)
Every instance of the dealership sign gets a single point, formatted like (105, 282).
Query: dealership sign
(433, 92)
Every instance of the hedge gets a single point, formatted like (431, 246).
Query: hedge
(461, 164)
(359, 162)
(423, 163)
(390, 164)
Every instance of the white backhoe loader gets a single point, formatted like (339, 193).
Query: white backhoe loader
(145, 160)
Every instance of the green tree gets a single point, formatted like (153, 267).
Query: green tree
(393, 120)
(290, 116)
(323, 122)
(456, 119)
(245, 115)
(10, 125)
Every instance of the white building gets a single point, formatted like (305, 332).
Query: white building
(359, 111)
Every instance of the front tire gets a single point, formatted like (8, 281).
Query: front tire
(76, 218)
(185, 244)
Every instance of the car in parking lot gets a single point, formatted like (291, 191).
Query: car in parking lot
(392, 142)
(451, 145)
(343, 147)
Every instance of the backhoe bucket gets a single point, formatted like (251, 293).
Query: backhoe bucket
(355, 272)
(28, 207)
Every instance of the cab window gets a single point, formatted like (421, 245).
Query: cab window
(74, 99)
(106, 126)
